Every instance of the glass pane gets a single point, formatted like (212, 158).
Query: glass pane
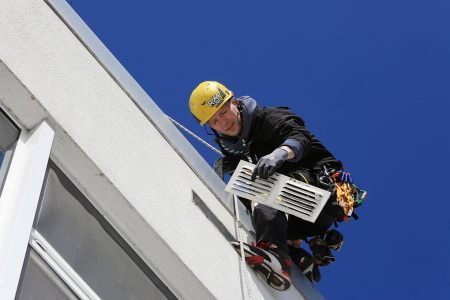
(39, 281)
(77, 231)
(9, 134)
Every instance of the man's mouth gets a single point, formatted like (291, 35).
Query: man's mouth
(230, 127)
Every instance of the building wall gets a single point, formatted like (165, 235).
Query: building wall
(116, 157)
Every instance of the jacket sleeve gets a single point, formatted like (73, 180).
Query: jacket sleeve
(280, 126)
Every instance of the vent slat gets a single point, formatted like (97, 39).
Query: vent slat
(299, 200)
(248, 181)
(251, 188)
(302, 190)
(297, 204)
(247, 192)
(293, 194)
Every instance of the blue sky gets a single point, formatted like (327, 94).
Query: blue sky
(372, 81)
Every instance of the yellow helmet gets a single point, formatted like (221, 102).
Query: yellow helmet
(207, 99)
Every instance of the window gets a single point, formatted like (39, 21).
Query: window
(70, 225)
(9, 133)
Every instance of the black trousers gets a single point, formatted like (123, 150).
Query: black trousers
(274, 226)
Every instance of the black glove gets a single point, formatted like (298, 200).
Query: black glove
(267, 165)
(224, 165)
(218, 167)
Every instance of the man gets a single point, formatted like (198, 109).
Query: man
(275, 139)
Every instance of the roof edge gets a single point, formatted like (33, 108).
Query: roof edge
(142, 100)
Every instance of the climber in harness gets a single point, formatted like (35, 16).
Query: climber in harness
(275, 139)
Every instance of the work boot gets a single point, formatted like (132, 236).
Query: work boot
(334, 239)
(305, 262)
(321, 251)
(270, 261)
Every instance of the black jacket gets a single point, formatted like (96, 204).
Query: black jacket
(270, 128)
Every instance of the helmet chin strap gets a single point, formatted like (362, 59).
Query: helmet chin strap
(218, 135)
(242, 118)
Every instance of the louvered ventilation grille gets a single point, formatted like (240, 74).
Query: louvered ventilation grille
(281, 192)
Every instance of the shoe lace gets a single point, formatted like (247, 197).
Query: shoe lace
(263, 245)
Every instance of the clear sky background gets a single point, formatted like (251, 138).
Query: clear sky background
(372, 81)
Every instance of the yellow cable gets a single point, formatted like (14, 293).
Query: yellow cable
(300, 175)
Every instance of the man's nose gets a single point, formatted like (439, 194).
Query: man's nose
(223, 121)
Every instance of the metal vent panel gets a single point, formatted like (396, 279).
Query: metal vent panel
(279, 191)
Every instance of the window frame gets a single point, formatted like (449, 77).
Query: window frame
(65, 271)
(61, 267)
(9, 153)
(19, 199)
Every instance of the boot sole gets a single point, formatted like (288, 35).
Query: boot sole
(273, 275)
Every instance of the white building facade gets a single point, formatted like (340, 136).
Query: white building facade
(101, 196)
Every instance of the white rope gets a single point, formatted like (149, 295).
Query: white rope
(238, 222)
(185, 129)
(243, 264)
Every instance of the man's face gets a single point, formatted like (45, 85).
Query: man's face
(227, 120)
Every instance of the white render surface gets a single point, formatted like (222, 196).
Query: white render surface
(108, 147)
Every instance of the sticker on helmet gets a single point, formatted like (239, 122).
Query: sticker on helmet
(222, 94)
(215, 100)
(203, 103)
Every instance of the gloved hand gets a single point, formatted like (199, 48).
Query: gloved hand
(267, 165)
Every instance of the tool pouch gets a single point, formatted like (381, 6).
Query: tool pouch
(340, 184)
(344, 197)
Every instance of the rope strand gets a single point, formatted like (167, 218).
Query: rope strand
(241, 246)
(238, 222)
(185, 129)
